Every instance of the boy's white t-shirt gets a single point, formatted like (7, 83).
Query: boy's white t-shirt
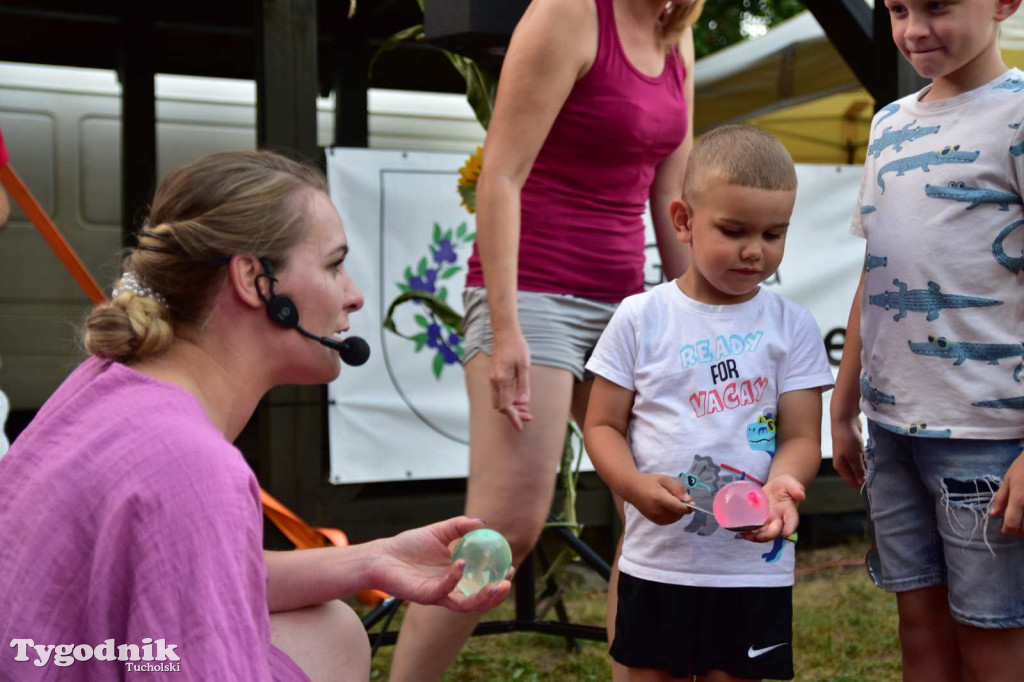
(706, 380)
(942, 315)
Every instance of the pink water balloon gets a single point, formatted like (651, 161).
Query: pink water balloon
(741, 505)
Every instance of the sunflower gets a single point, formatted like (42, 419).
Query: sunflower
(468, 176)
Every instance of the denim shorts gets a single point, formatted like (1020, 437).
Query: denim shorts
(929, 500)
(560, 329)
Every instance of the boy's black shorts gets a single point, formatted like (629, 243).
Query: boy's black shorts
(744, 631)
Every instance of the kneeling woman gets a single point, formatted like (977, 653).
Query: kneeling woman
(126, 513)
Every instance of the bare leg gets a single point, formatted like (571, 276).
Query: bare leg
(620, 673)
(928, 636)
(327, 641)
(649, 675)
(721, 676)
(511, 485)
(991, 655)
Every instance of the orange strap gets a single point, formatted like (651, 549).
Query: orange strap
(294, 528)
(19, 192)
(307, 537)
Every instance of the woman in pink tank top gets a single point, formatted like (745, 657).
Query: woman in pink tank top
(593, 120)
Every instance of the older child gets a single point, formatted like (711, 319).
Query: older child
(934, 346)
(717, 377)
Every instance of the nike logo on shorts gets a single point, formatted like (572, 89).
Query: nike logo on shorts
(754, 653)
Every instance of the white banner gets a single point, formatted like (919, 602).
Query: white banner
(403, 415)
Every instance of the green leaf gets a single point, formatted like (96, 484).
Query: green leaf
(471, 236)
(451, 271)
(443, 294)
(390, 43)
(402, 286)
(437, 233)
(441, 310)
(422, 321)
(408, 274)
(461, 231)
(468, 195)
(421, 340)
(447, 234)
(481, 86)
(438, 365)
(421, 269)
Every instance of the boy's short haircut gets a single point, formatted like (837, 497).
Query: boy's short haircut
(738, 155)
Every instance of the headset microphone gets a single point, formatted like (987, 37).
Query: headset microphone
(281, 309)
(353, 350)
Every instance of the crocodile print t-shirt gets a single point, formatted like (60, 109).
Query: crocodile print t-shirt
(942, 316)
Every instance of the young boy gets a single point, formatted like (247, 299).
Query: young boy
(702, 381)
(937, 325)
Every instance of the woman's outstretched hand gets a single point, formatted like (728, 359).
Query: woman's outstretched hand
(510, 378)
(417, 566)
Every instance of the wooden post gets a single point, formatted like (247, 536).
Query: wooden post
(351, 83)
(287, 439)
(138, 117)
(286, 84)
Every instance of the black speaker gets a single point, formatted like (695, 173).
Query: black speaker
(480, 29)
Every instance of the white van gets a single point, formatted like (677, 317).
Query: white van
(62, 128)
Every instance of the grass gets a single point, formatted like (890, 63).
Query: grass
(844, 631)
(844, 628)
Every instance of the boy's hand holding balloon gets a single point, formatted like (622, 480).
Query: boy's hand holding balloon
(785, 494)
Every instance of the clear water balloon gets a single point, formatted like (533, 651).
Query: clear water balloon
(488, 559)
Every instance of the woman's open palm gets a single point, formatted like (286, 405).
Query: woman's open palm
(417, 566)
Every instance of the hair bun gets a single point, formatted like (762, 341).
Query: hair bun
(128, 328)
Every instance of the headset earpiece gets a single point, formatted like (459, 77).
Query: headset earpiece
(281, 309)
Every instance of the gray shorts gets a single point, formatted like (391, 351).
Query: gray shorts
(561, 329)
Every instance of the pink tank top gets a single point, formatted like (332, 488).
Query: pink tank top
(582, 230)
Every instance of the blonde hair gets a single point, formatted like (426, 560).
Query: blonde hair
(677, 18)
(738, 155)
(203, 213)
